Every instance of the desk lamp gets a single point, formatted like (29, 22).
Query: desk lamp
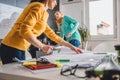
(107, 67)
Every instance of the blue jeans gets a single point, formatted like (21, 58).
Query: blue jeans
(8, 54)
(75, 43)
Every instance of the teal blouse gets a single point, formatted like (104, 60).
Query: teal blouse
(70, 25)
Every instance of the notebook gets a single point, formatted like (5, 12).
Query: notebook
(40, 66)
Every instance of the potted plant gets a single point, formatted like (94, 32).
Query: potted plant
(85, 33)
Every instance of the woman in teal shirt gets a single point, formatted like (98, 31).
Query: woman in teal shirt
(68, 28)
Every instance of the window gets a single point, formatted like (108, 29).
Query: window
(102, 16)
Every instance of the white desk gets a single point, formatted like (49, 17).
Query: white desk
(16, 71)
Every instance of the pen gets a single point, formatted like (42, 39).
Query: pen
(62, 60)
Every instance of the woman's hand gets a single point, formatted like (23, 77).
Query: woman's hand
(77, 50)
(69, 35)
(47, 49)
(67, 44)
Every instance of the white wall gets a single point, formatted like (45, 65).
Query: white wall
(8, 15)
(118, 19)
(74, 10)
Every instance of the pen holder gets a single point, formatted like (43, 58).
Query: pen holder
(117, 48)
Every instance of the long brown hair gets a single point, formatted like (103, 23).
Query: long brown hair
(59, 21)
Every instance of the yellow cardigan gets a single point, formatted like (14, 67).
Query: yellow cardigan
(32, 22)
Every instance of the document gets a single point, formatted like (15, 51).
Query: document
(83, 60)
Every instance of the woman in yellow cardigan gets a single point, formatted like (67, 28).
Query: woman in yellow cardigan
(30, 24)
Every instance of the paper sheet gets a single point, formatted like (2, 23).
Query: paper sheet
(83, 60)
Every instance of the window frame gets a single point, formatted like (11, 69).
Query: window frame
(102, 37)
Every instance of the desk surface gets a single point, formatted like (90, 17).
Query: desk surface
(15, 71)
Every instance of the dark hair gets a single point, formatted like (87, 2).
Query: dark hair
(37, 1)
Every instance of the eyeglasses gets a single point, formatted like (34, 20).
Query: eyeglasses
(72, 70)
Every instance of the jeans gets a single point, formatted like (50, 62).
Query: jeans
(8, 54)
(32, 50)
(75, 43)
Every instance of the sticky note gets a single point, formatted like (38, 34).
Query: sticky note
(29, 63)
(58, 64)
